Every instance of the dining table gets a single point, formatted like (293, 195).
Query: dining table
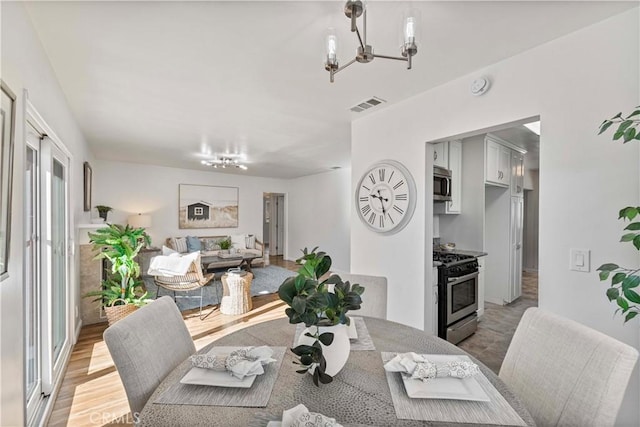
(359, 394)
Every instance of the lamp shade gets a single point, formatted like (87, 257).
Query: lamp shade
(139, 221)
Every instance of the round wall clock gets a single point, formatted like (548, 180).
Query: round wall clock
(386, 197)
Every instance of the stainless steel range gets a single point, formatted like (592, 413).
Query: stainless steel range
(457, 295)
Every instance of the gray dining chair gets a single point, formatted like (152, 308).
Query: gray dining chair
(374, 299)
(566, 373)
(146, 346)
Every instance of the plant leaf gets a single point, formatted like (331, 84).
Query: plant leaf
(634, 226)
(630, 315)
(631, 282)
(628, 237)
(629, 134)
(604, 126)
(623, 304)
(636, 242)
(613, 293)
(326, 338)
(608, 267)
(604, 275)
(617, 278)
(632, 296)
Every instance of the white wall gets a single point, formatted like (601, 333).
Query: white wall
(26, 66)
(573, 83)
(319, 212)
(132, 188)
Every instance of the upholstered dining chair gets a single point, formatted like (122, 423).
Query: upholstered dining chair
(374, 299)
(193, 280)
(566, 373)
(146, 346)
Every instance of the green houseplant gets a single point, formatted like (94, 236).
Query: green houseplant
(311, 302)
(103, 211)
(624, 281)
(225, 244)
(120, 245)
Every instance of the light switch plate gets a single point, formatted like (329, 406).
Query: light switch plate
(580, 260)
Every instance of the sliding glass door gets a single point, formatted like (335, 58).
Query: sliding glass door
(46, 263)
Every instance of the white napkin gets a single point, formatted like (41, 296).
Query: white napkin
(244, 362)
(418, 366)
(300, 416)
(171, 265)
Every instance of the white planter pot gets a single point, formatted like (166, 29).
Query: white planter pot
(337, 353)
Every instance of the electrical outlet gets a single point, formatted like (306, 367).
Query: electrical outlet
(580, 260)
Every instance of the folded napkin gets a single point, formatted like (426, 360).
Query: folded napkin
(244, 362)
(171, 265)
(417, 366)
(300, 416)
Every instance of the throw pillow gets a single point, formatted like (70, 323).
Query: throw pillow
(211, 245)
(250, 241)
(193, 244)
(179, 244)
(238, 242)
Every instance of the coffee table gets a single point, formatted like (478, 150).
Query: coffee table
(242, 261)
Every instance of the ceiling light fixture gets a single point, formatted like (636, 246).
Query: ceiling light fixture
(224, 162)
(353, 9)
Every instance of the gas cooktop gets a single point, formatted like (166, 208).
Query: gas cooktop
(447, 258)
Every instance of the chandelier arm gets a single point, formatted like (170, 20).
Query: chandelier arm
(345, 66)
(360, 38)
(364, 26)
(397, 58)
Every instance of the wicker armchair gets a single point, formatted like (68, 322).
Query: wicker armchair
(193, 280)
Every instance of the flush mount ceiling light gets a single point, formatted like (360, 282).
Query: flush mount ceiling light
(353, 9)
(224, 162)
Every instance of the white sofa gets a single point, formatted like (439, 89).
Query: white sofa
(243, 243)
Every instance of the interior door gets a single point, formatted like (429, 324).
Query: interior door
(276, 238)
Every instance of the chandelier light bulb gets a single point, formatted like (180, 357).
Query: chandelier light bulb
(410, 30)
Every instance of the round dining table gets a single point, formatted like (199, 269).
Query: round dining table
(358, 395)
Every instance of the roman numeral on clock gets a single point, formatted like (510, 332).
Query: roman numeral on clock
(372, 178)
(365, 210)
(399, 184)
(364, 199)
(401, 196)
(397, 209)
(381, 221)
(391, 176)
(372, 218)
(381, 173)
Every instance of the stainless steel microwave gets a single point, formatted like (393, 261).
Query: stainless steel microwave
(441, 184)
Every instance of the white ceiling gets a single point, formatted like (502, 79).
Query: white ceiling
(171, 83)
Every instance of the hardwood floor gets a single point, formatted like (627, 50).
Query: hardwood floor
(92, 393)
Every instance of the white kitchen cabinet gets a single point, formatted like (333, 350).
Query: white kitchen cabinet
(455, 165)
(441, 154)
(497, 163)
(481, 261)
(515, 235)
(517, 174)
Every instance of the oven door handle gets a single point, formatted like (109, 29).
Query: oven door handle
(454, 280)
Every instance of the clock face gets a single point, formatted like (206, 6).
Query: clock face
(385, 197)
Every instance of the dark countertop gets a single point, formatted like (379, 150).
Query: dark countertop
(465, 252)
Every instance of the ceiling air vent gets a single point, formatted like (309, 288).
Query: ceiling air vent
(365, 105)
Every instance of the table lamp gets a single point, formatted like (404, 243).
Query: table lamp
(139, 221)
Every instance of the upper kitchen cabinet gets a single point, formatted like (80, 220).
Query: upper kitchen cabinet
(497, 163)
(517, 174)
(441, 154)
(452, 152)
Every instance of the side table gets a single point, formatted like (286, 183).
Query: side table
(236, 293)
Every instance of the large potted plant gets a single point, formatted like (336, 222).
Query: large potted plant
(625, 281)
(122, 292)
(322, 305)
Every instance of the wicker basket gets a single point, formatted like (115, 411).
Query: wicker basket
(117, 312)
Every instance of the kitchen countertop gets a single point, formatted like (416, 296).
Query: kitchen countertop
(465, 252)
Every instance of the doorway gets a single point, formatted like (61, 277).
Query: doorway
(274, 223)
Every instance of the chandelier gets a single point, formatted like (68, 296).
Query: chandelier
(224, 162)
(353, 9)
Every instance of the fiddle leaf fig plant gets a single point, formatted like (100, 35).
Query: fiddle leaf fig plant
(624, 281)
(314, 302)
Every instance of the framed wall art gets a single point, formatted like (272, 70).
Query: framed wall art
(7, 131)
(88, 183)
(207, 206)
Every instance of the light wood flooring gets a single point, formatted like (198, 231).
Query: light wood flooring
(92, 394)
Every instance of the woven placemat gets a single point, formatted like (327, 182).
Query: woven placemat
(257, 396)
(364, 342)
(497, 411)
